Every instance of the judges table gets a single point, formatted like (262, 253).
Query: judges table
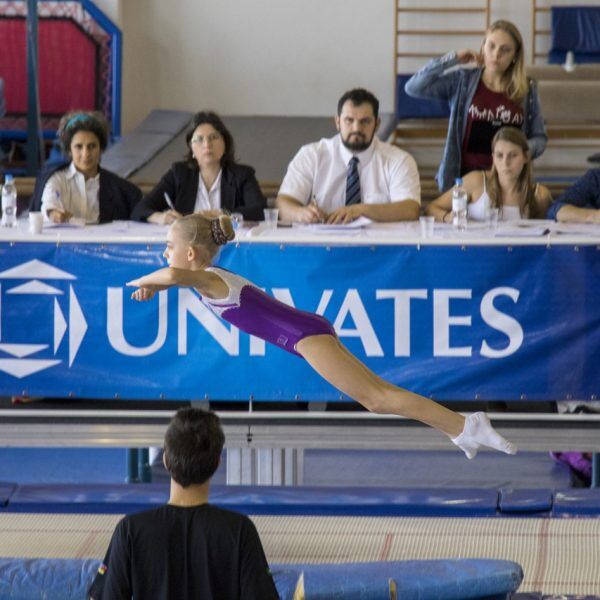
(511, 314)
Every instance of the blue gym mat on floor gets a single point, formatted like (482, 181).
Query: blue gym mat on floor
(66, 579)
(342, 501)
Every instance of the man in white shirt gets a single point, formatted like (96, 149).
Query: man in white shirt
(353, 174)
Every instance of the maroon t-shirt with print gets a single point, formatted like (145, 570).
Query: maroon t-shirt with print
(488, 112)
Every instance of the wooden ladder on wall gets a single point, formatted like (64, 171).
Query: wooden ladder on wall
(403, 30)
(409, 16)
(538, 32)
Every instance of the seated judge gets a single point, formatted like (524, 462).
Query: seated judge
(209, 179)
(508, 186)
(581, 202)
(352, 174)
(80, 187)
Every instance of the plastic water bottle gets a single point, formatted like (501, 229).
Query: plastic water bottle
(9, 202)
(459, 206)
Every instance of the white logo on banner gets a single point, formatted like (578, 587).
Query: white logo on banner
(352, 308)
(36, 273)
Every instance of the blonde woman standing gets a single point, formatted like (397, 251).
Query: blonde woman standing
(493, 94)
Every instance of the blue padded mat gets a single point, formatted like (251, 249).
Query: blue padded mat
(46, 578)
(265, 500)
(356, 501)
(6, 491)
(525, 501)
(94, 498)
(576, 502)
(415, 579)
(260, 500)
(66, 579)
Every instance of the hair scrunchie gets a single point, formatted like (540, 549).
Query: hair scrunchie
(77, 119)
(218, 236)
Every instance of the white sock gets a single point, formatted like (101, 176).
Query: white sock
(477, 432)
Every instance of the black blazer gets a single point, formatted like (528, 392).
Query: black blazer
(239, 192)
(117, 197)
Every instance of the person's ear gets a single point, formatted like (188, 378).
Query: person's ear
(165, 460)
(378, 123)
(337, 122)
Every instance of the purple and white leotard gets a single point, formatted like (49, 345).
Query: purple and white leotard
(251, 310)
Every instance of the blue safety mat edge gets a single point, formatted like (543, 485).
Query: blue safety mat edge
(257, 500)
(265, 500)
(450, 579)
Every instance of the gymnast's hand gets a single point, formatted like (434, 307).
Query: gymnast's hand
(150, 284)
(143, 294)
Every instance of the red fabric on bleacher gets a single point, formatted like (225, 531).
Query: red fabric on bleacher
(67, 66)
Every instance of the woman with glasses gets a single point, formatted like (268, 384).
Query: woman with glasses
(209, 179)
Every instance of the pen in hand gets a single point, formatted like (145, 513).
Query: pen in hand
(169, 201)
(59, 214)
(316, 209)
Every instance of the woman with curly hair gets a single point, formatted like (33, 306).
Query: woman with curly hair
(80, 187)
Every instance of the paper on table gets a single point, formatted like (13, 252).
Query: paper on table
(523, 228)
(72, 222)
(576, 228)
(356, 224)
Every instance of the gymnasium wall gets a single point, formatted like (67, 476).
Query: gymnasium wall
(271, 57)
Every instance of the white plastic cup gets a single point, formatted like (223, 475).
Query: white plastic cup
(36, 222)
(491, 218)
(271, 216)
(426, 226)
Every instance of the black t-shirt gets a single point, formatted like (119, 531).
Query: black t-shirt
(183, 553)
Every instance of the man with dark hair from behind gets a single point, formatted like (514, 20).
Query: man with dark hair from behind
(187, 548)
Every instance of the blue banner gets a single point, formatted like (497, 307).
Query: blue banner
(451, 322)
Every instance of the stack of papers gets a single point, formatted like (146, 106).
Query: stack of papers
(521, 230)
(337, 227)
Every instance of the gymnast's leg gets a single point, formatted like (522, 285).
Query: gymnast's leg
(328, 357)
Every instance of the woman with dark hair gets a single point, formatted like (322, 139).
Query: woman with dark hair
(79, 187)
(209, 179)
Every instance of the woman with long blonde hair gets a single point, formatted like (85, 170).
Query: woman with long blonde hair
(495, 94)
(508, 185)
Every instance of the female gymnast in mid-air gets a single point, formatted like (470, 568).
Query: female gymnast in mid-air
(192, 243)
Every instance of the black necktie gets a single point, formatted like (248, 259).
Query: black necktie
(352, 183)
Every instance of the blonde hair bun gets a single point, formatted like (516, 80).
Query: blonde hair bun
(226, 227)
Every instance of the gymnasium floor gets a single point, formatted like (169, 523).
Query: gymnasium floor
(559, 556)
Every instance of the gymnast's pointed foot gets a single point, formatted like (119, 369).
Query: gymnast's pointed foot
(477, 432)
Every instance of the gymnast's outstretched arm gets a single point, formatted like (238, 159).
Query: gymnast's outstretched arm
(206, 282)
